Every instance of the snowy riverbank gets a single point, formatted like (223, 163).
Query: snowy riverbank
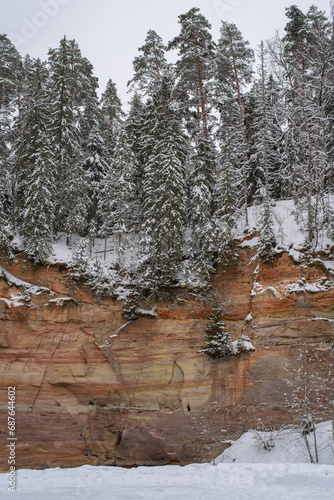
(283, 480)
(192, 482)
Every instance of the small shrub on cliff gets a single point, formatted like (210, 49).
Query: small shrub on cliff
(267, 235)
(80, 260)
(219, 342)
(130, 307)
(244, 344)
(5, 246)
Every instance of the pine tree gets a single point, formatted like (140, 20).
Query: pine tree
(85, 102)
(112, 115)
(151, 66)
(234, 63)
(71, 203)
(195, 67)
(219, 342)
(321, 59)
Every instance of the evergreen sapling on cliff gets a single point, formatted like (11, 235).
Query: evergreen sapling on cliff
(219, 342)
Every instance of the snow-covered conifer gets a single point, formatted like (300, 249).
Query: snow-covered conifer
(243, 344)
(163, 193)
(266, 133)
(219, 342)
(112, 115)
(195, 67)
(267, 235)
(119, 208)
(234, 70)
(203, 218)
(306, 58)
(4, 231)
(96, 167)
(71, 202)
(150, 66)
(229, 180)
(10, 71)
(80, 260)
(36, 188)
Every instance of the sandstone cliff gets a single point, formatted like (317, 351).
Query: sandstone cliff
(94, 388)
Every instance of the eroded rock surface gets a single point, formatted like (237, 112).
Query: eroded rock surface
(94, 388)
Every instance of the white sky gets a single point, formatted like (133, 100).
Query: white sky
(110, 31)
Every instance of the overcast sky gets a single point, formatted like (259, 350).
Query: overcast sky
(109, 32)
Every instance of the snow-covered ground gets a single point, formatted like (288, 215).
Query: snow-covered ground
(290, 236)
(192, 482)
(281, 446)
(246, 471)
(290, 233)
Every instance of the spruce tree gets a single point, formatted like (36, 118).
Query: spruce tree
(10, 70)
(266, 132)
(219, 342)
(5, 246)
(164, 194)
(228, 208)
(228, 189)
(37, 215)
(306, 57)
(119, 208)
(133, 123)
(265, 154)
(96, 167)
(36, 188)
(203, 218)
(136, 127)
(267, 236)
(80, 260)
(242, 346)
(10, 65)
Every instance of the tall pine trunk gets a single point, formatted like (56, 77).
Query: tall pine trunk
(243, 130)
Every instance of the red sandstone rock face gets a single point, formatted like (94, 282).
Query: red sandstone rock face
(91, 390)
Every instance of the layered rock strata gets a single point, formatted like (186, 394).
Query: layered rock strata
(92, 387)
